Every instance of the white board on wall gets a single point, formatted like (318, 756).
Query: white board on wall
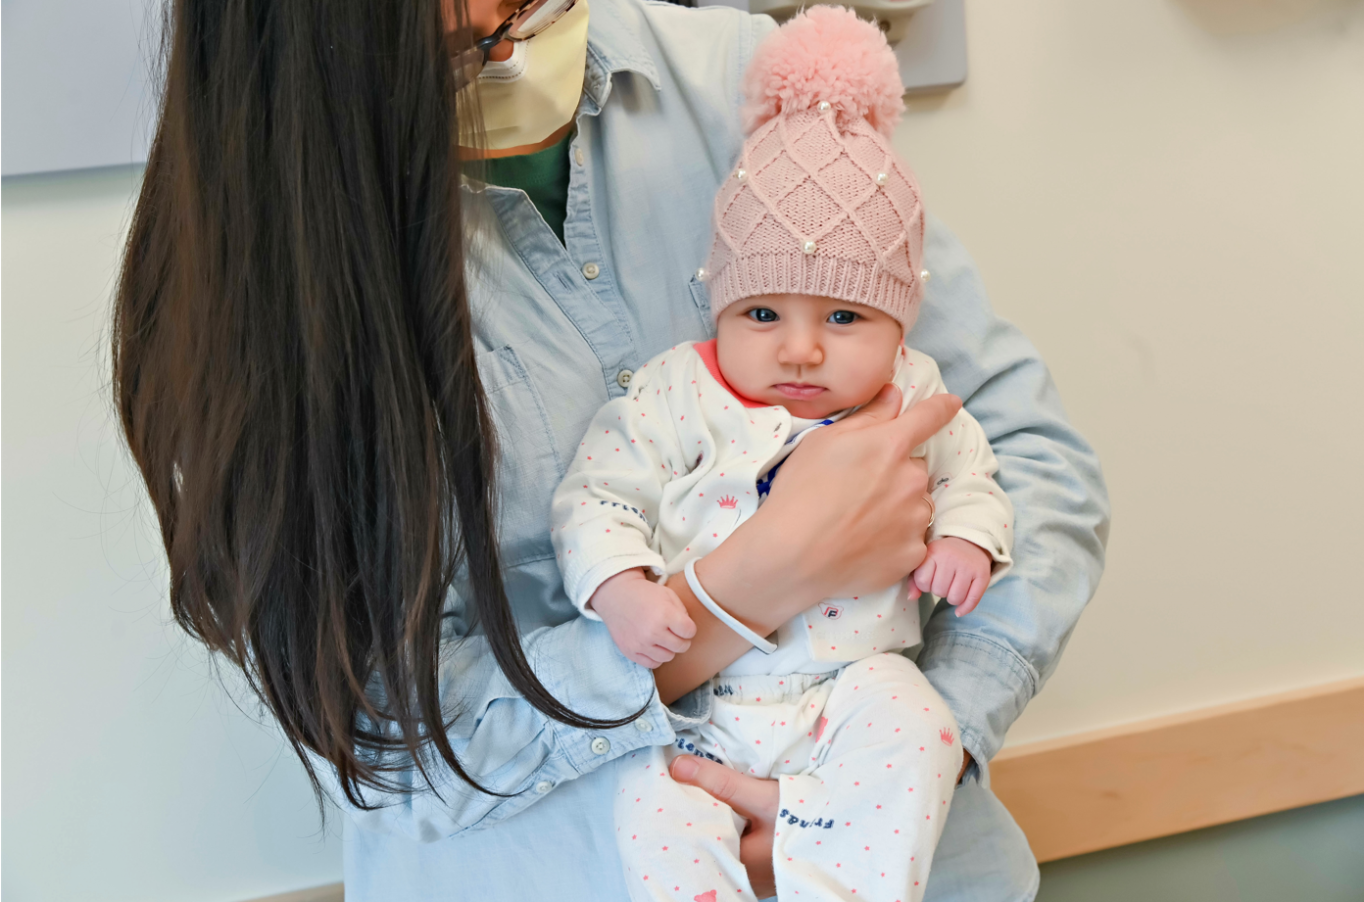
(77, 76)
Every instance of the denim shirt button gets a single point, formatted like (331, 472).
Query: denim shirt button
(601, 745)
(543, 787)
(644, 726)
(578, 156)
(591, 270)
(623, 380)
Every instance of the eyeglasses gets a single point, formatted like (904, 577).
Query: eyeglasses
(533, 17)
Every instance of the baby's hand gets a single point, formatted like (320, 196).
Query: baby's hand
(648, 622)
(956, 570)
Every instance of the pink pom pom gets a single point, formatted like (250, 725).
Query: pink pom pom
(825, 54)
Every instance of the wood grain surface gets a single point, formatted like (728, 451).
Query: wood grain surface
(1157, 777)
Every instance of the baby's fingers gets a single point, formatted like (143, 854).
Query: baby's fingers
(681, 625)
(973, 597)
(923, 577)
(961, 586)
(673, 642)
(644, 660)
(662, 653)
(943, 576)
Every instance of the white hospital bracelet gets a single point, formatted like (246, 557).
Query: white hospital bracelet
(724, 616)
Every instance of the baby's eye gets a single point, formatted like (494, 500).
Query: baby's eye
(763, 315)
(843, 317)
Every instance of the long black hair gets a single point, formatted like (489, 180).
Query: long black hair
(294, 369)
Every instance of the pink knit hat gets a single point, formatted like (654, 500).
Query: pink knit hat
(818, 203)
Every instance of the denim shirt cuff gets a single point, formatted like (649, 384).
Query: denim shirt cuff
(986, 684)
(692, 709)
(628, 688)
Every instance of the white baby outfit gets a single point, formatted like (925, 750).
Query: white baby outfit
(865, 750)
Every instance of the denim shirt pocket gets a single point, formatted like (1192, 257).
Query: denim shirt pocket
(700, 296)
(528, 467)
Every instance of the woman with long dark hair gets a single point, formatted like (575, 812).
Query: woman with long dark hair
(351, 367)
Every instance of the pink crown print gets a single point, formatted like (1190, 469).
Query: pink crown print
(946, 736)
(729, 502)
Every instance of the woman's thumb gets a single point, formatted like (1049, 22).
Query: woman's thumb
(739, 792)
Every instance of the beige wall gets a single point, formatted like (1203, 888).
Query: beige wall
(1168, 197)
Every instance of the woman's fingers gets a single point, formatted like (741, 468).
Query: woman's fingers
(846, 515)
(881, 409)
(751, 797)
(922, 421)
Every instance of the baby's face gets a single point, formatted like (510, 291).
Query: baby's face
(814, 356)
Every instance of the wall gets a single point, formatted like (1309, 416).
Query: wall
(129, 773)
(1166, 197)
(1170, 210)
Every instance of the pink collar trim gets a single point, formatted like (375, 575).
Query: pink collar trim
(706, 351)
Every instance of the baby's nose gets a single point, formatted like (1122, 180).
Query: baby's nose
(807, 353)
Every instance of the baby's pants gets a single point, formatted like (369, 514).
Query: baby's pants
(867, 759)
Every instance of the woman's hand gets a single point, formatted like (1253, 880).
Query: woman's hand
(851, 501)
(756, 801)
(753, 799)
(848, 513)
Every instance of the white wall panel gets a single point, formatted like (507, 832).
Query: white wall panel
(129, 772)
(76, 83)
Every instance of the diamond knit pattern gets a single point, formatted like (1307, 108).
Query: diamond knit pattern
(805, 180)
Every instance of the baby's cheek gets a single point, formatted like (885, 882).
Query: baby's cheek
(865, 370)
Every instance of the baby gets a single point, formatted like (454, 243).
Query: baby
(814, 279)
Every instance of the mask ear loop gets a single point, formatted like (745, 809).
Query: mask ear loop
(509, 69)
(538, 17)
(468, 62)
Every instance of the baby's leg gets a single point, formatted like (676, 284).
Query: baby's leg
(863, 824)
(676, 842)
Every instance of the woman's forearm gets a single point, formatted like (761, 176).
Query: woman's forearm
(713, 648)
(755, 584)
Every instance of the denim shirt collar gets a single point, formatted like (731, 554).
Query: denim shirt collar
(614, 44)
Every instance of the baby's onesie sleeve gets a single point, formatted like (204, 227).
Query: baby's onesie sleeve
(605, 511)
(969, 503)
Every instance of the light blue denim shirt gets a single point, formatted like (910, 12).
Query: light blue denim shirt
(559, 329)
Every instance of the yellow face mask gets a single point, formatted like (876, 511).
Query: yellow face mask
(535, 92)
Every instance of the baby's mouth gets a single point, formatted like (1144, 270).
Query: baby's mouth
(799, 391)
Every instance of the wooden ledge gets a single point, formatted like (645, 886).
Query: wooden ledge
(1167, 775)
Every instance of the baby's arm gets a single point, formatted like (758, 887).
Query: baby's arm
(604, 514)
(971, 537)
(647, 621)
